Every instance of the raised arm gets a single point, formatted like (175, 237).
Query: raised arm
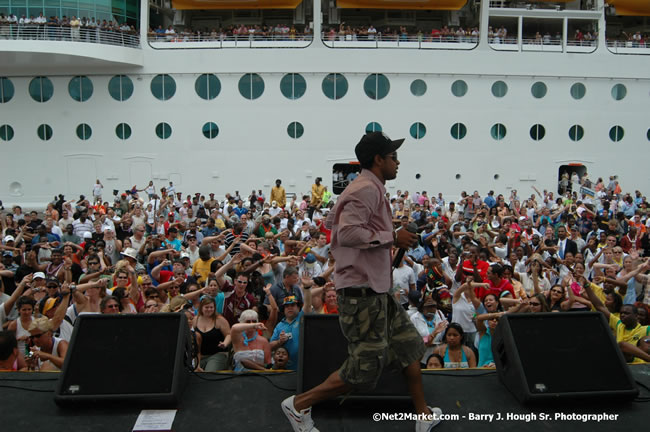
(596, 301)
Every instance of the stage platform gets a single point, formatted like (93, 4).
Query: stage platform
(252, 403)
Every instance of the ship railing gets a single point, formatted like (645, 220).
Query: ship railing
(629, 47)
(544, 44)
(69, 34)
(421, 41)
(229, 41)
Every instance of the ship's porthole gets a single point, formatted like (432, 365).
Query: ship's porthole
(207, 86)
(120, 87)
(499, 89)
(538, 90)
(41, 89)
(376, 86)
(576, 132)
(616, 133)
(210, 130)
(418, 176)
(123, 131)
(163, 87)
(6, 90)
(418, 130)
(251, 86)
(619, 92)
(496, 176)
(458, 131)
(459, 88)
(295, 130)
(84, 131)
(163, 130)
(6, 133)
(335, 86)
(293, 86)
(578, 91)
(498, 131)
(44, 132)
(80, 88)
(457, 176)
(418, 87)
(537, 132)
(648, 134)
(373, 127)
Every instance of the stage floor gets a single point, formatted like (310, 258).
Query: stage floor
(252, 403)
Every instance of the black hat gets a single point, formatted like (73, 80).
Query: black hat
(375, 143)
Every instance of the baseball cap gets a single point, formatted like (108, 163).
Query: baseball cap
(310, 258)
(290, 300)
(170, 214)
(375, 143)
(50, 303)
(9, 238)
(39, 275)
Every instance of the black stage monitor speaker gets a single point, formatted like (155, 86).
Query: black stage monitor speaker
(323, 350)
(130, 357)
(547, 356)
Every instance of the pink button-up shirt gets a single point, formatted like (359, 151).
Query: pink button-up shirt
(362, 235)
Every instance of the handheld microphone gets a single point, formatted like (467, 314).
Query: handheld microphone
(411, 227)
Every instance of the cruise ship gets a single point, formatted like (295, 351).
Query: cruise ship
(224, 95)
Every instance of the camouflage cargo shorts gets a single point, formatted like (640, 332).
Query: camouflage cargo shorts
(379, 334)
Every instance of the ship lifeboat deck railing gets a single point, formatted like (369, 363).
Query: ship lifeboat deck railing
(391, 41)
(59, 33)
(208, 40)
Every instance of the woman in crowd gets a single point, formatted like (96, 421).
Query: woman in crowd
(454, 352)
(25, 306)
(48, 352)
(213, 336)
(252, 351)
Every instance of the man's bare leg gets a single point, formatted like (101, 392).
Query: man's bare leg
(414, 380)
(333, 386)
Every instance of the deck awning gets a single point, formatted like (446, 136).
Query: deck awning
(235, 4)
(402, 4)
(631, 7)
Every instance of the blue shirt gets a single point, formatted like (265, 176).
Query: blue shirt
(490, 201)
(240, 211)
(50, 239)
(293, 343)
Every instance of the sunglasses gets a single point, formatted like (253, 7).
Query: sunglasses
(250, 321)
(556, 291)
(36, 336)
(242, 282)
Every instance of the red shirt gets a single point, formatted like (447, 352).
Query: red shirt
(496, 289)
(482, 267)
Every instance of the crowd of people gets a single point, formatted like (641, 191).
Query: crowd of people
(246, 268)
(280, 32)
(65, 28)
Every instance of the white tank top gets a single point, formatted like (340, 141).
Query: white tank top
(463, 313)
(20, 332)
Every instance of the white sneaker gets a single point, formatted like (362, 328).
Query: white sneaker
(426, 426)
(300, 421)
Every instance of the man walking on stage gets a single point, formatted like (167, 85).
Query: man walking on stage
(377, 328)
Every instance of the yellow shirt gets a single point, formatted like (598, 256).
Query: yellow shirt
(279, 195)
(631, 336)
(600, 293)
(316, 194)
(201, 270)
